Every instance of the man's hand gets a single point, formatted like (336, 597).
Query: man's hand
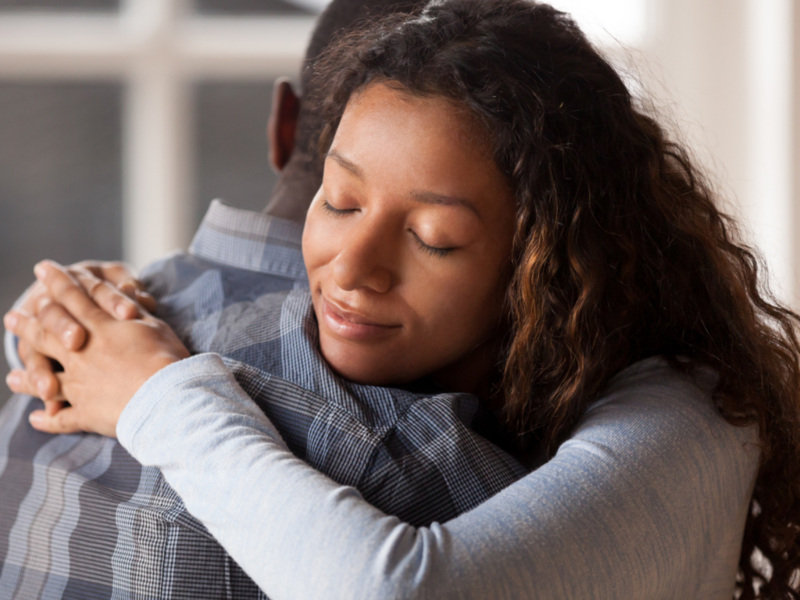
(114, 289)
(115, 360)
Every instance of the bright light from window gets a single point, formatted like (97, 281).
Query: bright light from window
(608, 22)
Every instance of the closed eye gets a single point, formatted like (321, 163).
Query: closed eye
(432, 250)
(337, 212)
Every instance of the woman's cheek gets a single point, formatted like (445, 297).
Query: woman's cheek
(322, 239)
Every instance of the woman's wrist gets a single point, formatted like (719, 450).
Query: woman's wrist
(160, 391)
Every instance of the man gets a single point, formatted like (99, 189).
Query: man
(80, 518)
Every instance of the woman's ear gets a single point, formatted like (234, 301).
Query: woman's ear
(282, 124)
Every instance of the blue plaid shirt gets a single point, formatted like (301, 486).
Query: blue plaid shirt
(80, 518)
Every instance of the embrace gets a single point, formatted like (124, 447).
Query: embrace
(491, 338)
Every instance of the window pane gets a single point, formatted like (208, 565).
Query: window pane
(101, 5)
(60, 177)
(242, 7)
(231, 150)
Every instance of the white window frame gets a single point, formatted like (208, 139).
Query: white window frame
(156, 49)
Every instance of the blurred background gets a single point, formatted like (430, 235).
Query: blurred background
(121, 120)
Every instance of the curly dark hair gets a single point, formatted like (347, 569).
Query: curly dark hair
(620, 252)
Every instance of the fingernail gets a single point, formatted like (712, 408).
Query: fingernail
(40, 270)
(13, 379)
(41, 385)
(121, 310)
(69, 333)
(10, 320)
(36, 418)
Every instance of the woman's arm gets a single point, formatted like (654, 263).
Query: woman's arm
(646, 500)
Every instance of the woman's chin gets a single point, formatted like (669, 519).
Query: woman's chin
(366, 366)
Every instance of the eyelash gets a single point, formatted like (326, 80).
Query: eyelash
(336, 212)
(432, 250)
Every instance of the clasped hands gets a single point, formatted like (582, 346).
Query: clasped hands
(94, 320)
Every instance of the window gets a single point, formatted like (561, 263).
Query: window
(133, 114)
(117, 119)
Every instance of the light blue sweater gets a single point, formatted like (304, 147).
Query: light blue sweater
(647, 499)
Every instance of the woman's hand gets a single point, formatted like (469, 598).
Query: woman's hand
(114, 289)
(100, 377)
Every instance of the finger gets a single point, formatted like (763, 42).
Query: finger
(30, 302)
(39, 371)
(128, 288)
(23, 382)
(118, 274)
(122, 276)
(57, 320)
(112, 300)
(64, 421)
(146, 301)
(51, 407)
(17, 381)
(67, 291)
(39, 339)
(135, 290)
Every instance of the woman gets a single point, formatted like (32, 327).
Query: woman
(629, 326)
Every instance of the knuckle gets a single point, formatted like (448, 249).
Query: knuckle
(38, 335)
(97, 288)
(116, 271)
(50, 314)
(39, 364)
(37, 291)
(116, 265)
(69, 293)
(43, 301)
(65, 324)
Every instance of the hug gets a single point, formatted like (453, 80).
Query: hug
(492, 338)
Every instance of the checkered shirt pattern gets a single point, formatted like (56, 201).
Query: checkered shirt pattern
(80, 518)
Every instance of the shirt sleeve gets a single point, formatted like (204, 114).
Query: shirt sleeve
(638, 503)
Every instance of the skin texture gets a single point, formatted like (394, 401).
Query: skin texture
(117, 357)
(407, 247)
(407, 244)
(114, 288)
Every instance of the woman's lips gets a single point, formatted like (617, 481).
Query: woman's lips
(352, 326)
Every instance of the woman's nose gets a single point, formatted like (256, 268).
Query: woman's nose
(364, 260)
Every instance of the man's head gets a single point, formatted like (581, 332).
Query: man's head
(292, 128)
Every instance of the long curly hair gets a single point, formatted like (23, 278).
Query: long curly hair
(620, 251)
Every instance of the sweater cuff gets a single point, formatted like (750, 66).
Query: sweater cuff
(163, 388)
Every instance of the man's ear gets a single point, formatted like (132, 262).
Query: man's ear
(282, 125)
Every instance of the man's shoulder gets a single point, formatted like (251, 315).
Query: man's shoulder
(79, 518)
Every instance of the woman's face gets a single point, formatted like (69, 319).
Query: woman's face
(408, 242)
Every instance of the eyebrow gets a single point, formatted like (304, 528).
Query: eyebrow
(421, 196)
(433, 198)
(346, 164)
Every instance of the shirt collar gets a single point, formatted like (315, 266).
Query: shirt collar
(250, 240)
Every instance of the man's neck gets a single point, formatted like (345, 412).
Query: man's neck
(294, 190)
